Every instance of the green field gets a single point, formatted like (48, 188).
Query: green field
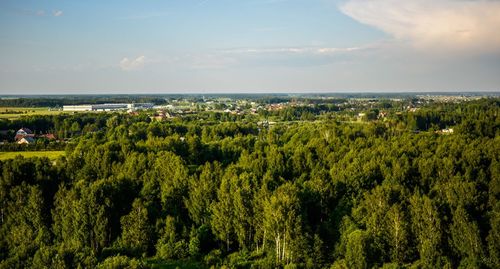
(27, 154)
(17, 112)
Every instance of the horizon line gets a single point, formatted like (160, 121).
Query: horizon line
(261, 93)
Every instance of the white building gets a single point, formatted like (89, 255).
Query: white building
(108, 107)
(78, 108)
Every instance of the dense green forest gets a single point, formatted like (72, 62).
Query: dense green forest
(313, 190)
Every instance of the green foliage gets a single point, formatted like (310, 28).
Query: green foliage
(282, 223)
(357, 247)
(136, 231)
(426, 226)
(169, 245)
(202, 192)
(194, 243)
(494, 237)
(24, 228)
(121, 262)
(465, 236)
(221, 220)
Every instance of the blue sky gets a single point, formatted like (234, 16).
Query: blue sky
(186, 46)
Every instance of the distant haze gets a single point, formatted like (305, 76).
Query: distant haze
(248, 46)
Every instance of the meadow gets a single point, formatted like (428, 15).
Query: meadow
(27, 154)
(12, 113)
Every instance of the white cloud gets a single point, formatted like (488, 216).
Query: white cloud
(134, 64)
(471, 25)
(297, 50)
(57, 13)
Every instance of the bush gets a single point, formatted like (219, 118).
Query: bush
(119, 262)
(47, 257)
(171, 250)
(238, 260)
(291, 266)
(267, 261)
(213, 258)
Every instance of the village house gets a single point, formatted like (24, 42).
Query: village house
(26, 140)
(48, 136)
(445, 131)
(23, 133)
(382, 115)
(162, 115)
(26, 136)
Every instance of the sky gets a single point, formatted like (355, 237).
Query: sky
(248, 46)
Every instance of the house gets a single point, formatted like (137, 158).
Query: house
(26, 140)
(23, 133)
(48, 136)
(361, 116)
(382, 115)
(162, 115)
(445, 131)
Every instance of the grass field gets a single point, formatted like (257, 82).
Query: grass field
(16, 112)
(27, 154)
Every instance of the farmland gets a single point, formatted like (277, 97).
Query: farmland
(28, 154)
(12, 113)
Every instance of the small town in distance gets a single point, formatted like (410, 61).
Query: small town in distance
(346, 107)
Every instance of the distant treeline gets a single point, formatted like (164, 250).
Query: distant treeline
(76, 100)
(158, 99)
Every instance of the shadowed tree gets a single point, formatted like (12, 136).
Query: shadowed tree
(136, 230)
(426, 226)
(465, 236)
(203, 192)
(222, 212)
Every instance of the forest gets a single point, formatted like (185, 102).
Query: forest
(212, 190)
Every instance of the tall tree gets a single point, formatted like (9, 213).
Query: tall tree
(222, 213)
(465, 236)
(397, 231)
(426, 226)
(357, 247)
(241, 188)
(24, 229)
(282, 222)
(136, 230)
(203, 192)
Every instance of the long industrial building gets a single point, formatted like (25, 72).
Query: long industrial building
(108, 107)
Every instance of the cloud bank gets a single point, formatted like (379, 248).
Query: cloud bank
(456, 25)
(135, 64)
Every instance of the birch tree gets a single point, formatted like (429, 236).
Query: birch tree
(282, 221)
